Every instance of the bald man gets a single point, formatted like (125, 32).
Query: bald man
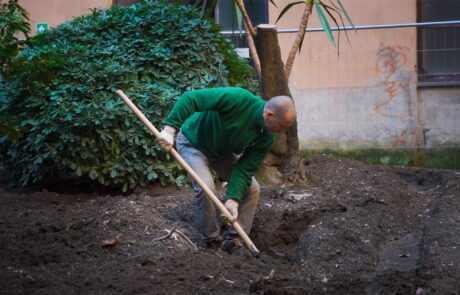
(229, 130)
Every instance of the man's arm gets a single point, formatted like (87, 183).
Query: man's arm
(247, 166)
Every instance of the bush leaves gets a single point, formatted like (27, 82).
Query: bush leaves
(62, 96)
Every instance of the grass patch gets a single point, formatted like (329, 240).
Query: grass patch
(438, 158)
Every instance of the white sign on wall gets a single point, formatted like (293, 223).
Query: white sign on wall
(41, 27)
(243, 52)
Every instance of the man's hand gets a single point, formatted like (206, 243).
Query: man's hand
(232, 207)
(166, 138)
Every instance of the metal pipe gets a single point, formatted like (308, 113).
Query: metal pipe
(367, 27)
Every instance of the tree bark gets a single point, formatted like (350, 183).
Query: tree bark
(253, 52)
(285, 153)
(299, 39)
(246, 18)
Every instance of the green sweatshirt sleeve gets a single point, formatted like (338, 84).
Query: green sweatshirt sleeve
(211, 99)
(247, 166)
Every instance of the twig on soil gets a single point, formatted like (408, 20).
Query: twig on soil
(166, 236)
(263, 279)
(270, 276)
(21, 272)
(184, 237)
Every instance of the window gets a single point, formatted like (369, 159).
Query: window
(438, 46)
(225, 16)
(124, 2)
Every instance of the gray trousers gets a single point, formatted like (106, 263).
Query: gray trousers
(207, 220)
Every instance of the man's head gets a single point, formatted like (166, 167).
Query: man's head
(279, 113)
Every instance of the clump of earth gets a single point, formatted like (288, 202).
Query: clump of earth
(355, 229)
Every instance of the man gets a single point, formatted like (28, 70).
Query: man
(229, 130)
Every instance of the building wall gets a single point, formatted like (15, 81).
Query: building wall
(365, 96)
(440, 116)
(55, 12)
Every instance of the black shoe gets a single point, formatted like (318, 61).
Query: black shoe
(232, 245)
(214, 243)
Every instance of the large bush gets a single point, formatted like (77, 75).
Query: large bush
(73, 124)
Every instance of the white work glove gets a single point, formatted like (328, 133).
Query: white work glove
(232, 207)
(166, 138)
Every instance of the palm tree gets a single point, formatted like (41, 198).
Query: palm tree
(284, 164)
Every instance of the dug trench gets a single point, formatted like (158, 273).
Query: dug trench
(355, 229)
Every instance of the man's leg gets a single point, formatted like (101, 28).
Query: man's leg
(207, 221)
(248, 206)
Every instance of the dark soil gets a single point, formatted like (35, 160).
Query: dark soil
(356, 229)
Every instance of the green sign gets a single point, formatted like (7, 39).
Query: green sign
(42, 27)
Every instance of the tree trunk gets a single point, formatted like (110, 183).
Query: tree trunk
(284, 163)
(298, 39)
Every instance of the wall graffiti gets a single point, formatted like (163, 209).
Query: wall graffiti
(406, 137)
(396, 79)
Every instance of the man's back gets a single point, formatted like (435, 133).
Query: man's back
(221, 120)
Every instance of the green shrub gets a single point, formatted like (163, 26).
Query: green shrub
(13, 22)
(73, 124)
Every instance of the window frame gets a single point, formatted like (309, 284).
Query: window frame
(238, 39)
(431, 80)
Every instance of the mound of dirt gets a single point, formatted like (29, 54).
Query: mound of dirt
(354, 229)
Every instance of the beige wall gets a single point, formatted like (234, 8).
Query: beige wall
(319, 66)
(440, 116)
(366, 95)
(55, 12)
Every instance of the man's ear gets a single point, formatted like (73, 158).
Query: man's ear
(268, 113)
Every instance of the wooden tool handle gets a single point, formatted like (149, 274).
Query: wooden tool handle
(193, 174)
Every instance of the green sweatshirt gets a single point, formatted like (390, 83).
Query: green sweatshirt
(219, 121)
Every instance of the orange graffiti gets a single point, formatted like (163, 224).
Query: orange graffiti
(404, 137)
(395, 77)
